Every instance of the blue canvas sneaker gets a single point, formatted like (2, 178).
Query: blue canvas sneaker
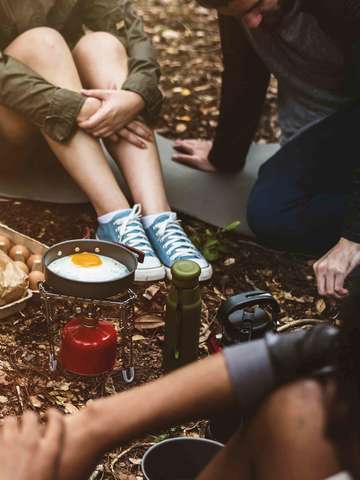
(126, 228)
(171, 243)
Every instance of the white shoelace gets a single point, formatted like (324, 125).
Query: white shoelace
(175, 240)
(131, 231)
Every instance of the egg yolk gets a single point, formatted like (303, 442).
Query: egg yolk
(86, 260)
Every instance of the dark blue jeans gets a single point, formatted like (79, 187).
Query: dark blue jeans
(300, 198)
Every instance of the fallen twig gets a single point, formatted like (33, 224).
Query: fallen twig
(21, 403)
(301, 323)
(98, 470)
(124, 452)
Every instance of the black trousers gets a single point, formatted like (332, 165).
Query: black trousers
(299, 201)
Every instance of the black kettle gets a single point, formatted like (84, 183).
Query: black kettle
(240, 324)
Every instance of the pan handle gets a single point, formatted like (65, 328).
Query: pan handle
(138, 253)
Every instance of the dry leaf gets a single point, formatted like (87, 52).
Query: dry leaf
(181, 128)
(35, 401)
(138, 338)
(125, 476)
(219, 294)
(64, 387)
(185, 92)
(172, 51)
(201, 88)
(184, 118)
(229, 261)
(150, 292)
(170, 34)
(3, 399)
(320, 305)
(3, 378)
(70, 408)
(135, 461)
(149, 322)
(289, 296)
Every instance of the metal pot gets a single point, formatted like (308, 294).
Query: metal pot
(181, 458)
(98, 290)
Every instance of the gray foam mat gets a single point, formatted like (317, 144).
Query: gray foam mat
(218, 199)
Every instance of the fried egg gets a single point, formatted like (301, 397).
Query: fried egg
(88, 267)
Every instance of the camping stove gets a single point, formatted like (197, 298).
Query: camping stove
(105, 319)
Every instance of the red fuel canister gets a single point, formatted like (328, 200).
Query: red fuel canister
(88, 346)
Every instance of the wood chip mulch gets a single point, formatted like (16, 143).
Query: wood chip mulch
(187, 39)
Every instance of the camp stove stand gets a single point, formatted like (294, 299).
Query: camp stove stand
(59, 309)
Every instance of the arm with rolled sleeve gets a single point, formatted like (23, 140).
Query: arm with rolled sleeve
(52, 109)
(121, 19)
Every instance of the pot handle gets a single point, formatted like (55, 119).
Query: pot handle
(138, 253)
(248, 299)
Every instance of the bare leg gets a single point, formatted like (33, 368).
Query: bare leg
(285, 441)
(194, 153)
(141, 167)
(46, 52)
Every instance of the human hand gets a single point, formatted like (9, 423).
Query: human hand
(332, 269)
(135, 133)
(118, 109)
(29, 451)
(194, 153)
(89, 108)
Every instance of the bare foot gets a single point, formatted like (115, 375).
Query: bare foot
(194, 153)
(27, 451)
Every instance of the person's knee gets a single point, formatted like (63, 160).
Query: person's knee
(303, 394)
(299, 404)
(103, 42)
(274, 221)
(40, 42)
(263, 216)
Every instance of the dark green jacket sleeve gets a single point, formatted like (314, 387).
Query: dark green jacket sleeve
(54, 110)
(245, 79)
(119, 17)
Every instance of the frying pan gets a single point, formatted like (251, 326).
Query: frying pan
(124, 254)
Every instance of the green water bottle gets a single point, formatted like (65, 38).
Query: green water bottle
(183, 316)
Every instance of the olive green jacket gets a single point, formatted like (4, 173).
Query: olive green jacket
(53, 109)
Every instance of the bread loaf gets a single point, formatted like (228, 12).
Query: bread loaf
(13, 281)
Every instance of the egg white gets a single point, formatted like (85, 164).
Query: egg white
(109, 270)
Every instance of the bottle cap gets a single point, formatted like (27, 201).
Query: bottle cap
(185, 273)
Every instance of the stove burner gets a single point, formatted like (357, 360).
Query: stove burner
(60, 308)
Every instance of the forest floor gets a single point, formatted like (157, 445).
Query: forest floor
(186, 37)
